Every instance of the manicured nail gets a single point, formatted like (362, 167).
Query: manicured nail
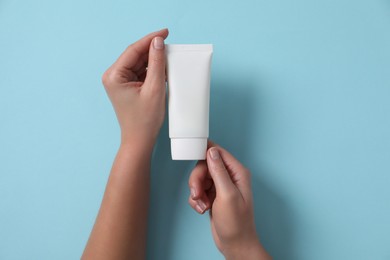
(158, 43)
(193, 192)
(202, 205)
(197, 207)
(214, 153)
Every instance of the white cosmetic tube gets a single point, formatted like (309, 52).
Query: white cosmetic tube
(188, 72)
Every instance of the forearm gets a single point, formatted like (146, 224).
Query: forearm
(248, 251)
(120, 228)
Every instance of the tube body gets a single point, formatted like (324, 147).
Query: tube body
(188, 73)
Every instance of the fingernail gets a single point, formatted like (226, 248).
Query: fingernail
(202, 205)
(158, 43)
(214, 153)
(198, 209)
(193, 193)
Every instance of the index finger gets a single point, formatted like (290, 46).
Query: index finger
(129, 58)
(198, 175)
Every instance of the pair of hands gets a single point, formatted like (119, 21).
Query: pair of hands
(135, 84)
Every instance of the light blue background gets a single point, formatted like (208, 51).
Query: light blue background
(300, 94)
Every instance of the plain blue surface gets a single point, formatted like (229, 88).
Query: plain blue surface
(300, 94)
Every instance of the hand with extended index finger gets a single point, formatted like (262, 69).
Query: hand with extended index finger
(222, 184)
(135, 84)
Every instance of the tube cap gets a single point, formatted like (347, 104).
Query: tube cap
(188, 148)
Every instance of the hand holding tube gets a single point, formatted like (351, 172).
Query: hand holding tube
(138, 98)
(222, 184)
(135, 84)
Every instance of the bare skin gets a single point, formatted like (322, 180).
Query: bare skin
(135, 84)
(138, 98)
(222, 185)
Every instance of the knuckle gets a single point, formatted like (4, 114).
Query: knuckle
(133, 47)
(107, 78)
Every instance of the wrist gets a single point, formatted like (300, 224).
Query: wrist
(137, 150)
(249, 250)
(140, 143)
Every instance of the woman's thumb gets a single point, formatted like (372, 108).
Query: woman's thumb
(218, 172)
(155, 76)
